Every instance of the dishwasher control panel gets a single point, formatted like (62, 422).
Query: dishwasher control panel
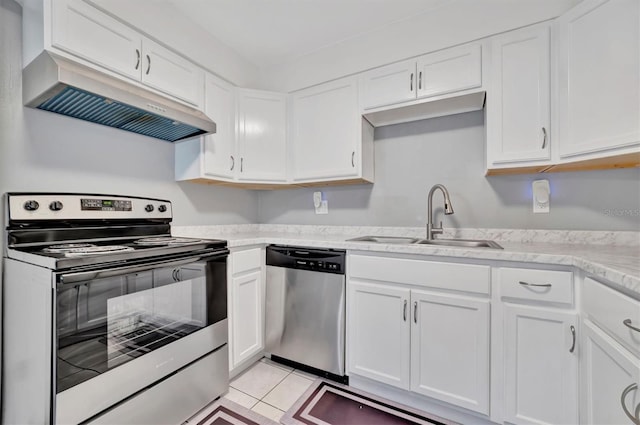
(311, 259)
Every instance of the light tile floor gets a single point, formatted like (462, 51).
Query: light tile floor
(267, 388)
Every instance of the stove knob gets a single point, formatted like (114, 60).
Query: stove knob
(31, 205)
(55, 206)
(148, 208)
(162, 208)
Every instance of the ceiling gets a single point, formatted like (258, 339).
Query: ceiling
(272, 32)
(269, 32)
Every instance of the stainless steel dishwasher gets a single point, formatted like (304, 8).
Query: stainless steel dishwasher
(305, 309)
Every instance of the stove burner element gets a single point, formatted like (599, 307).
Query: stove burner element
(164, 241)
(92, 250)
(66, 247)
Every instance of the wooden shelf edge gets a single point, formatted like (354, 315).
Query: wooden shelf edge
(276, 186)
(629, 160)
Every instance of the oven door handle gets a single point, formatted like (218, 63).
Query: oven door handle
(71, 278)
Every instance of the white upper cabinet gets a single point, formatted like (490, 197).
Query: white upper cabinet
(86, 32)
(599, 78)
(450, 70)
(212, 157)
(439, 73)
(389, 84)
(219, 150)
(330, 141)
(262, 136)
(166, 71)
(518, 104)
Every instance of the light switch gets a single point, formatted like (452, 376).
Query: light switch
(541, 196)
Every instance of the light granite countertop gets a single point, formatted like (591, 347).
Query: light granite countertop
(610, 256)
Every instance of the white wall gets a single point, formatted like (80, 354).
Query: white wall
(42, 151)
(459, 22)
(410, 158)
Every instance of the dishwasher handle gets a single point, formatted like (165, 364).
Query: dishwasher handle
(302, 258)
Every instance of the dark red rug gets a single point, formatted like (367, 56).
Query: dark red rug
(226, 412)
(330, 403)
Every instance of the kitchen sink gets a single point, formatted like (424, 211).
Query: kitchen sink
(385, 239)
(466, 243)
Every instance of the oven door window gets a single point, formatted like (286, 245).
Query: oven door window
(105, 322)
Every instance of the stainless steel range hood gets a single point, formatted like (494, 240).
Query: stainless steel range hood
(55, 84)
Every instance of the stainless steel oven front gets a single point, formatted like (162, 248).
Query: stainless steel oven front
(119, 329)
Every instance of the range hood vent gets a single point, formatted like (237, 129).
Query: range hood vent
(57, 85)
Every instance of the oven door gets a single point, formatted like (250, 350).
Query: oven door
(120, 329)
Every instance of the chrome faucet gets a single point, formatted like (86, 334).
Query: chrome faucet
(448, 210)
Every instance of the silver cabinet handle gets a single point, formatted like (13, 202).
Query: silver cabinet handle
(420, 80)
(543, 285)
(573, 334)
(544, 138)
(632, 387)
(415, 312)
(149, 64)
(233, 163)
(404, 311)
(353, 159)
(627, 323)
(241, 164)
(138, 59)
(411, 82)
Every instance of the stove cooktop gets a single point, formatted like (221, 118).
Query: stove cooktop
(73, 254)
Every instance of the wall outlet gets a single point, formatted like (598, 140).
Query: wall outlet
(541, 196)
(321, 205)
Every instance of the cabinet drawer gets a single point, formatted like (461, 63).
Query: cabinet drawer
(610, 310)
(536, 285)
(243, 261)
(459, 277)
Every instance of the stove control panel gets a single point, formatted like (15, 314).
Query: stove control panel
(105, 205)
(52, 206)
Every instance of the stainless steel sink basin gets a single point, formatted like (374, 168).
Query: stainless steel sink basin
(385, 239)
(467, 243)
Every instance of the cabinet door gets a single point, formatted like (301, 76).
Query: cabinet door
(247, 324)
(378, 332)
(262, 143)
(608, 370)
(540, 369)
(518, 107)
(326, 131)
(172, 74)
(450, 349)
(219, 148)
(86, 32)
(599, 76)
(389, 84)
(450, 70)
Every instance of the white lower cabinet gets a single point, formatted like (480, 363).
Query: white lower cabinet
(450, 349)
(428, 342)
(246, 305)
(541, 365)
(610, 380)
(379, 334)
